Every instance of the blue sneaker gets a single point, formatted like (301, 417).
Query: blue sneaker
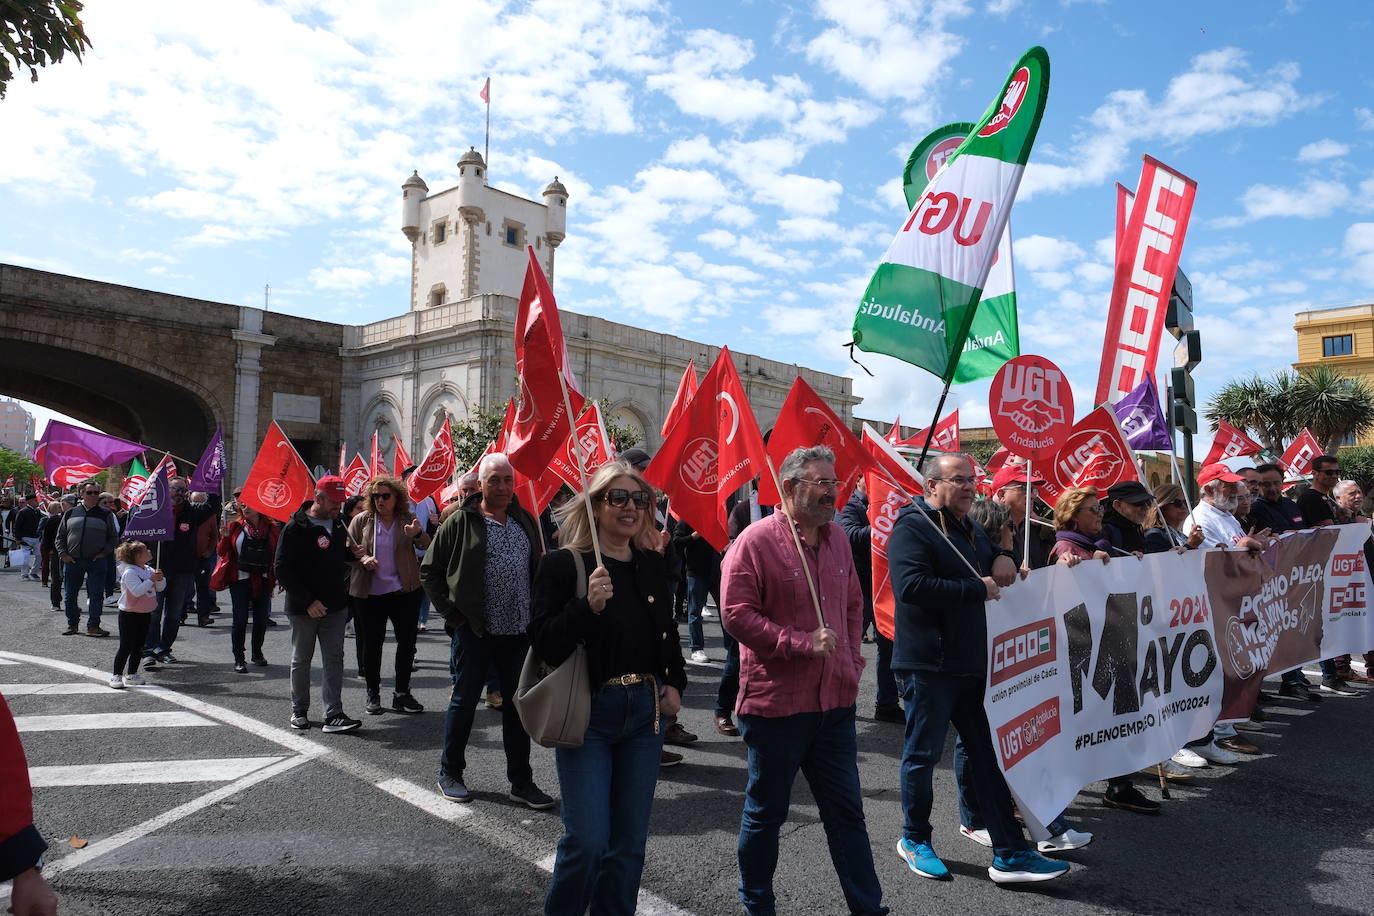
(454, 790)
(921, 858)
(1023, 866)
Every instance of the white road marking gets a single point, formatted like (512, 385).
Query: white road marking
(492, 831)
(108, 720)
(24, 690)
(217, 769)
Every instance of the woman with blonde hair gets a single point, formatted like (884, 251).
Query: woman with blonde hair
(385, 585)
(623, 615)
(1078, 527)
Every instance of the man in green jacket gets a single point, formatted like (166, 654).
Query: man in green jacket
(478, 573)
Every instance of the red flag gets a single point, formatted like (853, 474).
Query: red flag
(541, 362)
(399, 459)
(343, 458)
(9, 482)
(686, 388)
(437, 467)
(595, 447)
(278, 481)
(946, 435)
(375, 466)
(805, 420)
(1298, 456)
(1094, 454)
(995, 463)
(891, 464)
(1230, 442)
(1125, 199)
(894, 435)
(356, 477)
(884, 502)
(1146, 261)
(711, 451)
(485, 94)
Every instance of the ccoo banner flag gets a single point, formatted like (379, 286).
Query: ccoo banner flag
(921, 301)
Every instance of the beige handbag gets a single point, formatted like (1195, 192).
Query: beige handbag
(555, 704)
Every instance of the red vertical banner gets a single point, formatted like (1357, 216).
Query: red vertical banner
(1147, 259)
(884, 502)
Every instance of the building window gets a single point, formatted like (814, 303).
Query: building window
(513, 234)
(1340, 345)
(440, 232)
(437, 295)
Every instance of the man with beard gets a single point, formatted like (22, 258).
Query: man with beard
(1220, 498)
(799, 679)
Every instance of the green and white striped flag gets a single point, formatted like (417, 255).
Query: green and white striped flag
(994, 337)
(922, 299)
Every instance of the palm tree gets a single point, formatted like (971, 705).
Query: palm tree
(1332, 405)
(1261, 407)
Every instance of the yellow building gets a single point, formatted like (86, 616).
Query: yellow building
(1341, 337)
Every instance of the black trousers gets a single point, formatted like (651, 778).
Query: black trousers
(133, 631)
(370, 616)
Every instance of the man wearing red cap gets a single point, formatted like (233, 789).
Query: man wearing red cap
(313, 554)
(1009, 488)
(1220, 497)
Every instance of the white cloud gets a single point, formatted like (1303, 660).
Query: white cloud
(1318, 150)
(1214, 289)
(807, 229)
(1364, 118)
(1041, 252)
(1359, 249)
(1316, 198)
(1219, 93)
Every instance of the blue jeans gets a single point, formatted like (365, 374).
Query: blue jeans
(172, 602)
(205, 598)
(470, 656)
(933, 702)
(824, 747)
(727, 692)
(887, 683)
(246, 606)
(424, 606)
(607, 789)
(92, 572)
(698, 587)
(970, 813)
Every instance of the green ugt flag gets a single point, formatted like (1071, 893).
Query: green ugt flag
(921, 301)
(994, 337)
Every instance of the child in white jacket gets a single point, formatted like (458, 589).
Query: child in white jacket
(138, 587)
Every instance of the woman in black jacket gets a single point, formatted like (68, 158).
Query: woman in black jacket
(624, 618)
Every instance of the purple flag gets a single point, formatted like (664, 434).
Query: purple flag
(70, 454)
(1142, 421)
(210, 469)
(152, 519)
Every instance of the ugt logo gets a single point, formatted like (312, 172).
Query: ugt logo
(1030, 397)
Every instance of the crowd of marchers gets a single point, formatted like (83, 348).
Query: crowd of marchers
(613, 575)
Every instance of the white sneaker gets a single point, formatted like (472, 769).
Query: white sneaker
(979, 836)
(117, 682)
(134, 680)
(1213, 754)
(1187, 757)
(705, 613)
(699, 657)
(112, 601)
(1069, 839)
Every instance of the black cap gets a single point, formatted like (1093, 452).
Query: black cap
(637, 458)
(1130, 491)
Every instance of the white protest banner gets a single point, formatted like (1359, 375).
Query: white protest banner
(1104, 669)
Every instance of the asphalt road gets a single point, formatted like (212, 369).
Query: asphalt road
(236, 813)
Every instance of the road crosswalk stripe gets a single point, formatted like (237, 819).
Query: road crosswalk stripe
(120, 720)
(23, 690)
(146, 772)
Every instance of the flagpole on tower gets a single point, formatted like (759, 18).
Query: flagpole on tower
(486, 144)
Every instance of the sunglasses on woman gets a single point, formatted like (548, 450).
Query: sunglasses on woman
(619, 497)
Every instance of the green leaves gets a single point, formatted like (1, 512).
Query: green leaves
(1274, 410)
(36, 33)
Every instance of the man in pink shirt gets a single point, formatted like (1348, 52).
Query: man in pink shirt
(799, 680)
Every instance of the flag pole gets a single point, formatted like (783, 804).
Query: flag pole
(1030, 498)
(538, 525)
(486, 144)
(796, 539)
(930, 437)
(581, 465)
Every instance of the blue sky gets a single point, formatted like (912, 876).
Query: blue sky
(734, 168)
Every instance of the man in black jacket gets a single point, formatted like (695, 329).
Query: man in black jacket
(85, 543)
(313, 554)
(25, 527)
(178, 561)
(940, 658)
(854, 521)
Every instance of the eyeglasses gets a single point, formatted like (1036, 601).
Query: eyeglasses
(1331, 472)
(1095, 510)
(1176, 504)
(959, 480)
(90, 493)
(825, 483)
(180, 489)
(618, 497)
(383, 494)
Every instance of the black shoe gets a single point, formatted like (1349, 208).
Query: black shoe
(299, 721)
(532, 796)
(271, 622)
(239, 666)
(678, 735)
(1299, 691)
(259, 660)
(1338, 686)
(205, 621)
(404, 702)
(373, 707)
(889, 714)
(1129, 798)
(340, 723)
(150, 662)
(166, 658)
(71, 630)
